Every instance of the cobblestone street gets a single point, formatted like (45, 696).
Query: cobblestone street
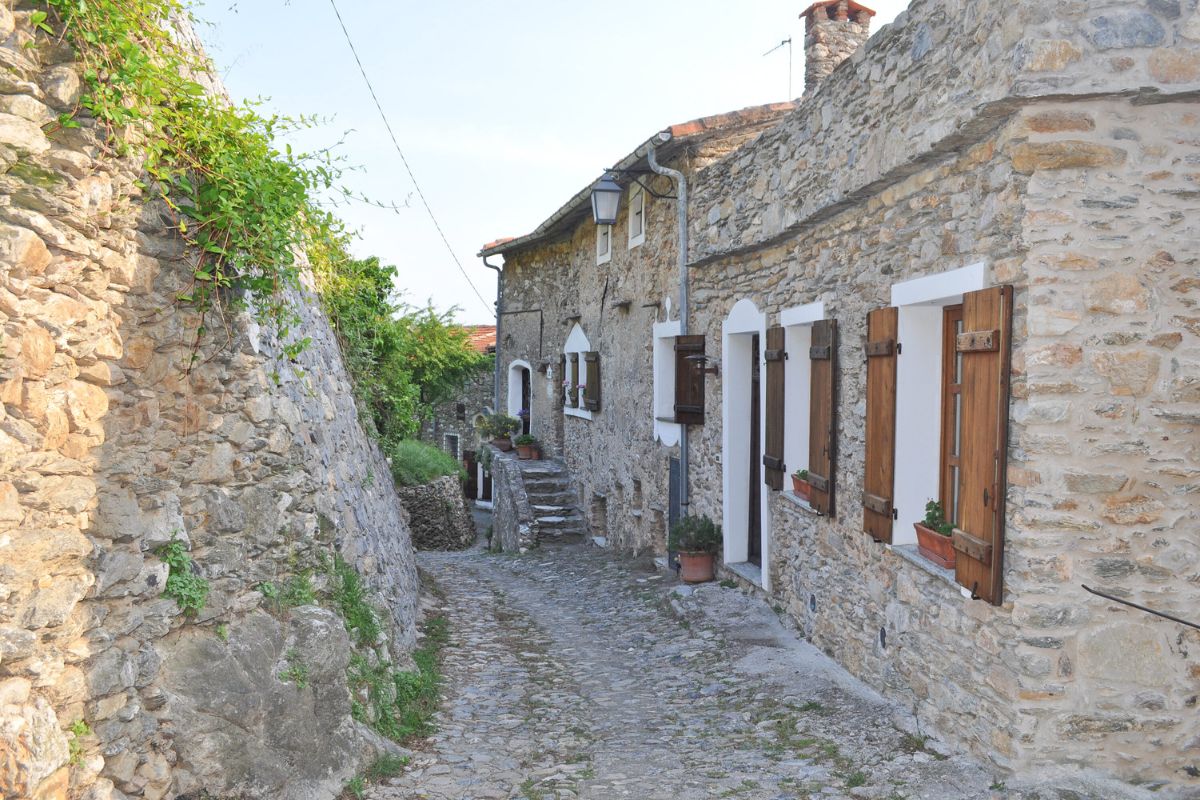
(573, 674)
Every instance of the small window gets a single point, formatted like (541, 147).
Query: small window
(637, 217)
(452, 445)
(603, 243)
(460, 411)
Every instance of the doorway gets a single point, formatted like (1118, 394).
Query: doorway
(520, 394)
(754, 522)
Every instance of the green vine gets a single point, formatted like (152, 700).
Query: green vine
(245, 207)
(184, 586)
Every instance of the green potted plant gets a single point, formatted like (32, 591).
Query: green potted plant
(800, 484)
(934, 536)
(500, 428)
(697, 540)
(526, 447)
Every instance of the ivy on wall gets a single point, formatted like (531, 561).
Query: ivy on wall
(245, 207)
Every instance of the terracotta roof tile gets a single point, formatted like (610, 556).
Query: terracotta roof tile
(482, 337)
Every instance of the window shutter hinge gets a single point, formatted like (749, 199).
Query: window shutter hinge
(899, 348)
(895, 513)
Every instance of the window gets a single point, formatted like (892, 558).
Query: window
(460, 411)
(452, 445)
(955, 339)
(603, 244)
(666, 429)
(797, 379)
(637, 217)
(581, 375)
(952, 367)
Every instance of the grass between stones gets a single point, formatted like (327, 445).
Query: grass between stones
(399, 704)
(385, 766)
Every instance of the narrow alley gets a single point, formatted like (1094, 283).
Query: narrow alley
(572, 674)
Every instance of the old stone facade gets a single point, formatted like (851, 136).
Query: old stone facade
(452, 425)
(1044, 147)
(110, 448)
(437, 515)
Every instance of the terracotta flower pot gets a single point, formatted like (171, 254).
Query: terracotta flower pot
(502, 444)
(935, 547)
(696, 567)
(525, 452)
(801, 488)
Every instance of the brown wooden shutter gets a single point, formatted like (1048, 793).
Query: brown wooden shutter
(689, 380)
(979, 534)
(563, 378)
(572, 380)
(591, 380)
(775, 355)
(822, 437)
(879, 479)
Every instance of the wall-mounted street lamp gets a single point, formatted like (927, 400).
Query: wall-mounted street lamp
(606, 196)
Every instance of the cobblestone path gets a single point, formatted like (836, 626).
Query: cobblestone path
(573, 674)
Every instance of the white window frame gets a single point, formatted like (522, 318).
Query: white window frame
(577, 343)
(637, 210)
(603, 236)
(797, 324)
(663, 368)
(919, 388)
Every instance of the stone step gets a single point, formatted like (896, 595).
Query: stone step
(542, 470)
(560, 522)
(561, 499)
(553, 510)
(558, 483)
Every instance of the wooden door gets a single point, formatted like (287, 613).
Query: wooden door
(754, 529)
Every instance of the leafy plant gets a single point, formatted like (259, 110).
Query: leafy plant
(188, 589)
(525, 440)
(298, 591)
(222, 632)
(695, 534)
(801, 474)
(349, 593)
(269, 590)
(415, 463)
(935, 519)
(296, 671)
(400, 704)
(499, 426)
(78, 730)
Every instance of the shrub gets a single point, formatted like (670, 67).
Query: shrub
(415, 463)
(498, 426)
(695, 535)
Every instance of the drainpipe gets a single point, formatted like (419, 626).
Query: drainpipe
(499, 316)
(681, 207)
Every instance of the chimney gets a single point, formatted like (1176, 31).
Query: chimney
(833, 30)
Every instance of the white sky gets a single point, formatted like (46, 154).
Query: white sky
(504, 110)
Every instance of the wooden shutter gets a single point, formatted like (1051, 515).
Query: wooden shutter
(979, 535)
(591, 380)
(822, 437)
(879, 479)
(689, 380)
(572, 392)
(775, 355)
(563, 378)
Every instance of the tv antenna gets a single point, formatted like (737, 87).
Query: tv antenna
(788, 42)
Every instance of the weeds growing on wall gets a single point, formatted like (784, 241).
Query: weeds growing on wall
(415, 463)
(245, 206)
(187, 588)
(400, 704)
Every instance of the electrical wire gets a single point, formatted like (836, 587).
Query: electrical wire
(396, 144)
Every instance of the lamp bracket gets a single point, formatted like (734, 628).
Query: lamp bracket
(633, 175)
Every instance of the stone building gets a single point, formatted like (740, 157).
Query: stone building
(111, 448)
(454, 425)
(963, 268)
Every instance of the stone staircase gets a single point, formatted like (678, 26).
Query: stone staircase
(552, 497)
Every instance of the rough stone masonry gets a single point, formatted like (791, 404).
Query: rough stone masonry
(110, 449)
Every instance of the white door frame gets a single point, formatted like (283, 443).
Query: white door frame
(744, 320)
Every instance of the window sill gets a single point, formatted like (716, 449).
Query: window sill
(909, 553)
(800, 504)
(747, 571)
(582, 413)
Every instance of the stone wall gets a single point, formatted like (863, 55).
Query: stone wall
(513, 524)
(963, 133)
(438, 515)
(475, 397)
(110, 447)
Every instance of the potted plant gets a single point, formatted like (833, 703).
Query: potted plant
(800, 484)
(934, 536)
(697, 540)
(526, 447)
(500, 428)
